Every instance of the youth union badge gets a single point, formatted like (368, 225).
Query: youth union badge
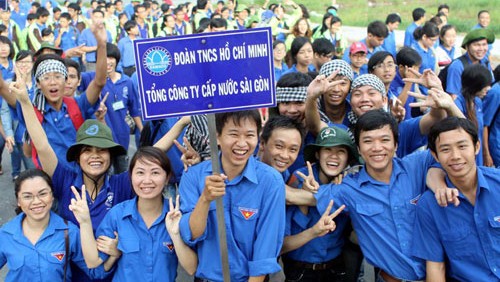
(157, 61)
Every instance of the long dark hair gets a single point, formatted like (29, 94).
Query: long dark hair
(474, 78)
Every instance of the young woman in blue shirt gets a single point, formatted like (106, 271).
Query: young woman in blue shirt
(149, 251)
(37, 244)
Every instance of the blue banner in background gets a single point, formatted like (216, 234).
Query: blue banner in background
(205, 73)
(3, 4)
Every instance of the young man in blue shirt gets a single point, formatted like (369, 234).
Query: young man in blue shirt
(418, 19)
(392, 21)
(376, 33)
(87, 38)
(51, 74)
(122, 99)
(66, 35)
(280, 143)
(476, 43)
(460, 242)
(406, 59)
(380, 199)
(254, 205)
(126, 47)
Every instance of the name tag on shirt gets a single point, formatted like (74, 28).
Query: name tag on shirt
(118, 105)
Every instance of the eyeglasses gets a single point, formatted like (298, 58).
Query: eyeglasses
(41, 196)
(384, 66)
(56, 77)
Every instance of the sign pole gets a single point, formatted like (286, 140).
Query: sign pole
(221, 223)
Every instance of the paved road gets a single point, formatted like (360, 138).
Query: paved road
(7, 199)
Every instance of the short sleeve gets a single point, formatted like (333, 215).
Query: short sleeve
(426, 242)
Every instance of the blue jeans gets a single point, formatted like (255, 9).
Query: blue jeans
(17, 157)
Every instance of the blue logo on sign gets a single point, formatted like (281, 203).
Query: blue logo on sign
(157, 61)
(92, 130)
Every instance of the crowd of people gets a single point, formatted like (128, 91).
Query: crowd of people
(379, 162)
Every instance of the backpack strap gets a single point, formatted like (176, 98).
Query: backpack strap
(74, 112)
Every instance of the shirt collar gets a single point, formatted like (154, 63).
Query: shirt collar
(364, 177)
(481, 181)
(15, 226)
(249, 172)
(130, 209)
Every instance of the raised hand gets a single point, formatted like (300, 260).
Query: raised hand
(99, 31)
(109, 245)
(79, 206)
(428, 79)
(102, 110)
(326, 223)
(215, 187)
(173, 217)
(189, 155)
(322, 84)
(397, 109)
(18, 88)
(436, 98)
(309, 184)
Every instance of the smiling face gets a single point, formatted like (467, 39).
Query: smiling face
(282, 148)
(377, 147)
(484, 19)
(477, 50)
(94, 161)
(332, 160)
(25, 65)
(302, 27)
(35, 198)
(110, 65)
(366, 98)
(386, 70)
(456, 153)
(237, 144)
(294, 109)
(148, 179)
(337, 94)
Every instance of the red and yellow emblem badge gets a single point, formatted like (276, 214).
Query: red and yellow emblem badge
(58, 255)
(247, 213)
(169, 246)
